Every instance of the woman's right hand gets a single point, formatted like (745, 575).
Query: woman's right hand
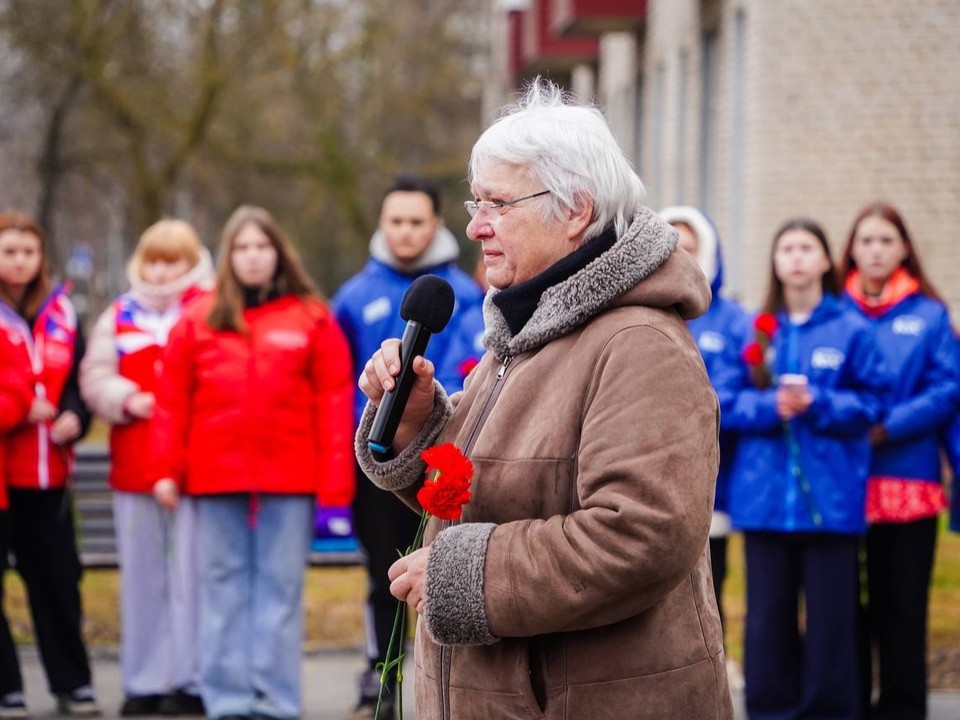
(167, 493)
(42, 410)
(379, 377)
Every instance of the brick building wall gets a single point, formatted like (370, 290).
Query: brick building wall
(816, 107)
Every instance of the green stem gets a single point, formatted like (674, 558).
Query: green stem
(797, 471)
(393, 661)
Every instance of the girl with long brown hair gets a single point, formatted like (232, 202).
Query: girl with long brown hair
(884, 280)
(253, 420)
(801, 411)
(38, 457)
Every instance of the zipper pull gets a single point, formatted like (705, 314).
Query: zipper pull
(503, 368)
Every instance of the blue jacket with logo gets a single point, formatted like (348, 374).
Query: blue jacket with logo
(367, 307)
(785, 476)
(918, 347)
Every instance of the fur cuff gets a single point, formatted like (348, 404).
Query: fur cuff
(406, 468)
(455, 612)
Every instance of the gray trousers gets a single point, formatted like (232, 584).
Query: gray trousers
(158, 595)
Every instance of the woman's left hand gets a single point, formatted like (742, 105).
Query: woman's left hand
(792, 402)
(408, 576)
(65, 428)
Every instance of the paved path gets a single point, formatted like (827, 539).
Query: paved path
(329, 687)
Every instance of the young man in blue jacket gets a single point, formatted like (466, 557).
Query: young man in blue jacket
(410, 241)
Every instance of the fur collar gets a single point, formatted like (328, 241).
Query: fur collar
(640, 251)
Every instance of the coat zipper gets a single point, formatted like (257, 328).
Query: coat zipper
(43, 429)
(445, 656)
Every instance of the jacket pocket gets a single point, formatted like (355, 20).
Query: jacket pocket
(538, 682)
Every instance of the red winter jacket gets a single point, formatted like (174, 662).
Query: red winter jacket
(265, 411)
(123, 357)
(16, 395)
(47, 352)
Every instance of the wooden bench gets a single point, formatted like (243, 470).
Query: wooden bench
(96, 535)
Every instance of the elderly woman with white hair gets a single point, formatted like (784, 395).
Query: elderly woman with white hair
(577, 583)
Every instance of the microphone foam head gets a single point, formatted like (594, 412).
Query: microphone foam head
(428, 301)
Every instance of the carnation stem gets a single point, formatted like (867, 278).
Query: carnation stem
(393, 661)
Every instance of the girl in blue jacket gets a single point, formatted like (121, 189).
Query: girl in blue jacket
(802, 400)
(883, 280)
(720, 334)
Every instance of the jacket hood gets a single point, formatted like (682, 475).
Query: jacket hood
(642, 268)
(709, 257)
(160, 297)
(442, 250)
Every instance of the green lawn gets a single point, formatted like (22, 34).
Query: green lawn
(334, 597)
(944, 639)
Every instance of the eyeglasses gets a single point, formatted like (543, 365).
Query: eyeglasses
(473, 207)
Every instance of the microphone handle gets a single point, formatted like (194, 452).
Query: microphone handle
(393, 403)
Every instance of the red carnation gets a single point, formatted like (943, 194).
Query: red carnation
(753, 354)
(766, 324)
(445, 496)
(447, 460)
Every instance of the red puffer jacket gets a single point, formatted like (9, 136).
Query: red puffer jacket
(46, 351)
(16, 395)
(266, 411)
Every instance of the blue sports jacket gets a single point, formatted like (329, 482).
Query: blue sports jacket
(835, 349)
(921, 357)
(367, 307)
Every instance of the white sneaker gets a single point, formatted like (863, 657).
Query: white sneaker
(734, 675)
(13, 707)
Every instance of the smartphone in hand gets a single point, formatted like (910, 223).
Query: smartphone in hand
(794, 383)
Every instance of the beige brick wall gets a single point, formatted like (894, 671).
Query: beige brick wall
(843, 102)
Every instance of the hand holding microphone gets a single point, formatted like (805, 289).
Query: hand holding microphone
(398, 376)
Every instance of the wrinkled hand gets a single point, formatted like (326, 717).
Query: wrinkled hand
(41, 410)
(379, 377)
(140, 404)
(167, 493)
(408, 575)
(65, 428)
(878, 435)
(792, 402)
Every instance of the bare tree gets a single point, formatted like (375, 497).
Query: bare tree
(190, 107)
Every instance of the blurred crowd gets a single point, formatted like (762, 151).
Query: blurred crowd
(231, 394)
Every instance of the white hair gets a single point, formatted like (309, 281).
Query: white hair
(568, 147)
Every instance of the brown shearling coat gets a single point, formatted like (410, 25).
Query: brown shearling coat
(577, 585)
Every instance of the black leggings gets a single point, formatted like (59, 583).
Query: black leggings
(10, 680)
(899, 559)
(45, 552)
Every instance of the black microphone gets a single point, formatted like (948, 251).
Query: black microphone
(427, 306)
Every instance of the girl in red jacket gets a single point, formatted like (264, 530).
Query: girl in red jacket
(253, 419)
(16, 394)
(118, 377)
(48, 345)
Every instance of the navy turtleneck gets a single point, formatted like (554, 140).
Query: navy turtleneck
(257, 296)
